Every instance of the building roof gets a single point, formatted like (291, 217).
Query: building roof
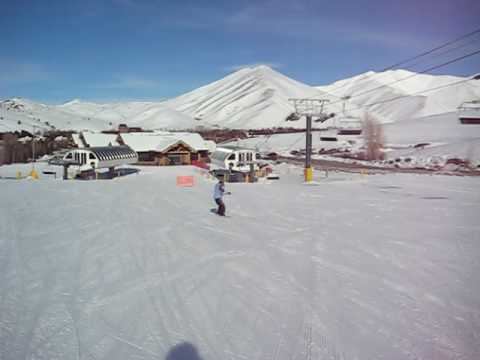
(195, 140)
(161, 141)
(77, 140)
(100, 139)
(211, 145)
(113, 152)
(222, 153)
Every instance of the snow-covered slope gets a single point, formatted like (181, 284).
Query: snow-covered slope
(21, 114)
(148, 115)
(415, 97)
(378, 267)
(111, 112)
(249, 98)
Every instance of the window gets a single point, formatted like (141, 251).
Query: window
(69, 156)
(91, 156)
(232, 157)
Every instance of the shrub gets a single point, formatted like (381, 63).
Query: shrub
(374, 138)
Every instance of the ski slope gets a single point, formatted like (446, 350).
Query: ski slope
(379, 267)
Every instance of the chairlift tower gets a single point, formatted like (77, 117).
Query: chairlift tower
(310, 108)
(345, 99)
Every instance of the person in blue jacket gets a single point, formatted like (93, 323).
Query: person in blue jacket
(218, 193)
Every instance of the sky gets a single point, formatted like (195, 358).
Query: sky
(114, 50)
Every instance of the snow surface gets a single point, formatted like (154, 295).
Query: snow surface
(100, 139)
(21, 114)
(250, 98)
(284, 143)
(150, 115)
(379, 267)
(418, 102)
(159, 141)
(446, 135)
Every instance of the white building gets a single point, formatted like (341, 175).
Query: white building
(234, 159)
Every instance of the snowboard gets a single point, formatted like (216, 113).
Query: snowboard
(214, 211)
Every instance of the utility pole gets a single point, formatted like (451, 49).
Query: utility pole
(33, 148)
(33, 173)
(345, 99)
(310, 108)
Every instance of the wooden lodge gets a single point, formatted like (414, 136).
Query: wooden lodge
(178, 153)
(167, 148)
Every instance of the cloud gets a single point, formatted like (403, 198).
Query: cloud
(303, 21)
(129, 82)
(23, 72)
(251, 65)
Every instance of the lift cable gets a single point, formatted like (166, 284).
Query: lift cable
(428, 52)
(413, 75)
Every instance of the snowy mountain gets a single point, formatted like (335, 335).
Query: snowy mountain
(149, 115)
(415, 95)
(20, 114)
(256, 97)
(249, 98)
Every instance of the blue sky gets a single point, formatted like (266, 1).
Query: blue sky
(106, 50)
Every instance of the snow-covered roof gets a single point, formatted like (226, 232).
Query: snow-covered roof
(100, 139)
(219, 155)
(160, 141)
(192, 139)
(211, 145)
(77, 141)
(222, 153)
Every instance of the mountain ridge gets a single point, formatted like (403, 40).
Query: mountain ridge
(253, 97)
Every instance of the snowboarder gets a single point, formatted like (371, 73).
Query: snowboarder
(218, 193)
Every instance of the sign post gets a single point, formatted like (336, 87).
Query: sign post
(185, 181)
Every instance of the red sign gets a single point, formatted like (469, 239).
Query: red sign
(185, 181)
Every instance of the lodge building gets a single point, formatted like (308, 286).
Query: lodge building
(162, 148)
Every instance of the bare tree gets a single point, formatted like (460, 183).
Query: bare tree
(374, 138)
(470, 156)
